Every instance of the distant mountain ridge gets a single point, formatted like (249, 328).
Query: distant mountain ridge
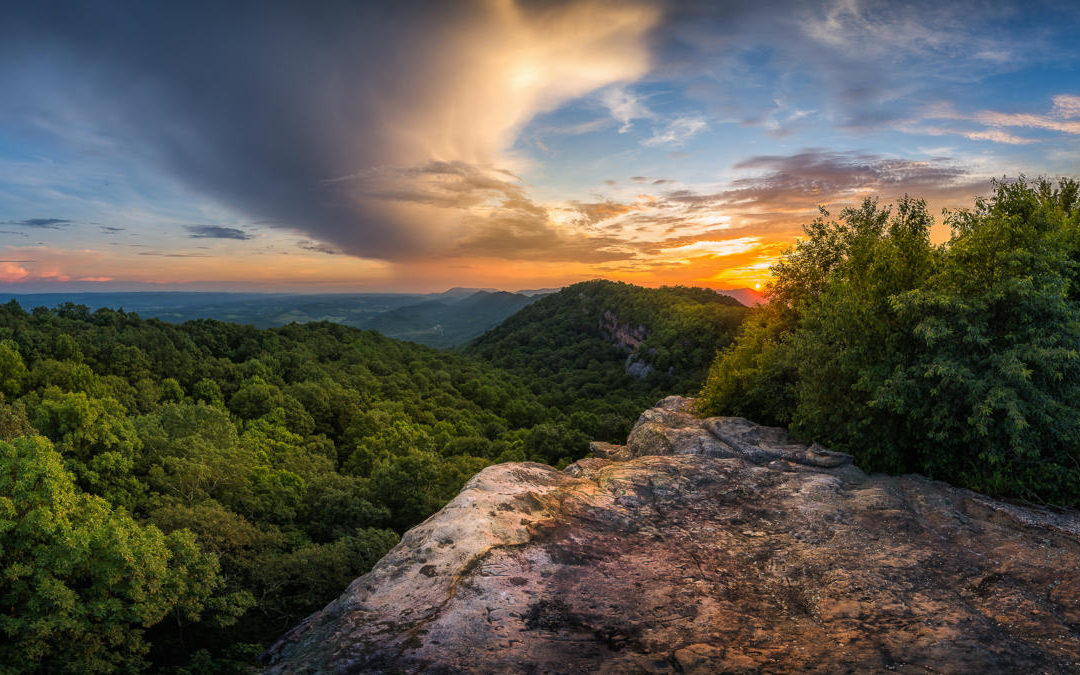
(747, 296)
(445, 319)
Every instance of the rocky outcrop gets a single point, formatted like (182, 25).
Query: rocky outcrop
(709, 546)
(638, 368)
(630, 338)
(622, 334)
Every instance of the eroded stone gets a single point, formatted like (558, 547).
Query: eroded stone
(683, 562)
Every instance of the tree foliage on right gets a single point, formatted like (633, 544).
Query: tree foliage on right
(960, 361)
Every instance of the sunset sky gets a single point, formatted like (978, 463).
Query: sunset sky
(338, 146)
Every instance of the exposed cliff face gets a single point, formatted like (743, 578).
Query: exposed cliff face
(622, 334)
(706, 546)
(630, 338)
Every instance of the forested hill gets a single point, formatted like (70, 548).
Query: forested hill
(174, 496)
(609, 349)
(217, 482)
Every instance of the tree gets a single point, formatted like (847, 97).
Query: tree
(959, 361)
(13, 372)
(81, 581)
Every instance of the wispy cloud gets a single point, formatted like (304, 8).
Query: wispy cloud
(316, 247)
(40, 223)
(217, 232)
(625, 107)
(1063, 117)
(677, 132)
(1067, 106)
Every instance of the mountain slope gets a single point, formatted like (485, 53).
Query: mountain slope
(747, 296)
(450, 319)
(607, 349)
(262, 310)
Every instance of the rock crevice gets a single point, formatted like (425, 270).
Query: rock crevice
(707, 546)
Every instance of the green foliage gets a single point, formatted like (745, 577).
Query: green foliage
(280, 464)
(81, 580)
(564, 347)
(13, 372)
(960, 361)
(13, 421)
(294, 457)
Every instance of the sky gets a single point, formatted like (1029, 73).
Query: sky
(415, 146)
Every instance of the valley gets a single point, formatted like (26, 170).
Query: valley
(283, 462)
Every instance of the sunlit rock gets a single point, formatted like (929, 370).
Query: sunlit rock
(713, 546)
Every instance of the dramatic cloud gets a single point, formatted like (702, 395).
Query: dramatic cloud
(412, 142)
(260, 105)
(781, 193)
(821, 176)
(216, 232)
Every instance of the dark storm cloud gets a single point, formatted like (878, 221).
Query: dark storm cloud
(40, 223)
(251, 103)
(263, 105)
(216, 232)
(456, 184)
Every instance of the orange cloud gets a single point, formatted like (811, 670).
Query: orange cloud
(11, 272)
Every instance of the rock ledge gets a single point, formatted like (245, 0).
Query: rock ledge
(707, 546)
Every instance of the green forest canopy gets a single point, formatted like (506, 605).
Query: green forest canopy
(197, 489)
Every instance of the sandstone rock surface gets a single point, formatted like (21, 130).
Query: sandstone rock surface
(709, 546)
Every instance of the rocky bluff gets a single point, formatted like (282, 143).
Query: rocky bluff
(708, 546)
